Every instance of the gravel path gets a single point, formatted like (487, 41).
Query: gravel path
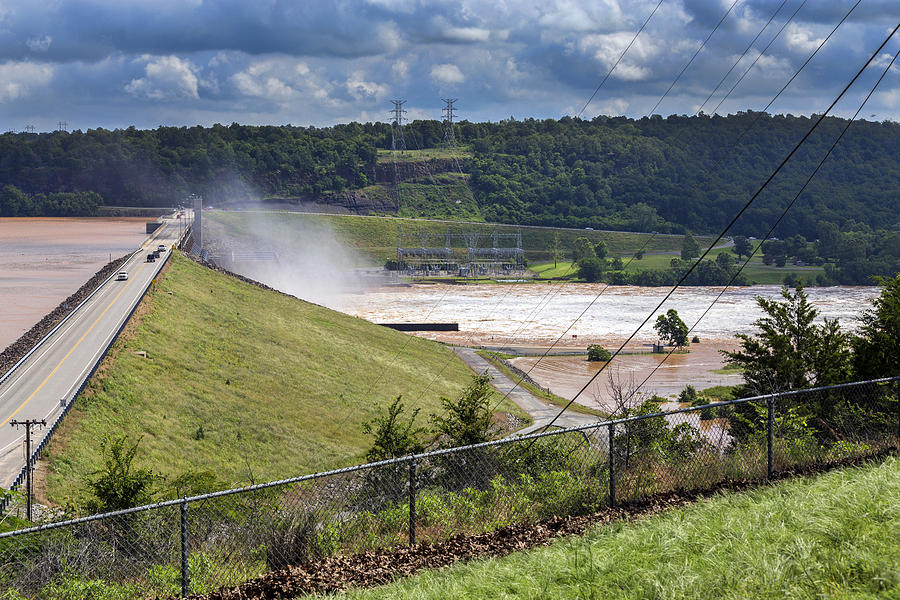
(540, 411)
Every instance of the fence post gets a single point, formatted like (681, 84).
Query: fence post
(612, 466)
(770, 402)
(412, 502)
(185, 576)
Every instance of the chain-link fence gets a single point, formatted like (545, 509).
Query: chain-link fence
(205, 542)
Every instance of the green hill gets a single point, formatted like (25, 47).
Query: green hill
(245, 382)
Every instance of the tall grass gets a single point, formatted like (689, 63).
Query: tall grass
(835, 535)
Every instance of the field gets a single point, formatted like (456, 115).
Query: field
(389, 156)
(834, 535)
(756, 271)
(375, 238)
(247, 383)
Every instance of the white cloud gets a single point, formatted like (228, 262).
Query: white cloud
(447, 73)
(166, 77)
(39, 44)
(361, 89)
(891, 98)
(285, 80)
(801, 38)
(19, 79)
(607, 48)
(400, 69)
(574, 15)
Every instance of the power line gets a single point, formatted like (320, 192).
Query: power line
(719, 161)
(702, 45)
(731, 223)
(775, 37)
(774, 225)
(618, 60)
(744, 53)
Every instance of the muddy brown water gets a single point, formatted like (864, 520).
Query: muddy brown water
(44, 260)
(534, 316)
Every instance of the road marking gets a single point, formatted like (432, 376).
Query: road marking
(69, 353)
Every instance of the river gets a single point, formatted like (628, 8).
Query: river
(529, 318)
(44, 260)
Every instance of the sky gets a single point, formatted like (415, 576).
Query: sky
(117, 63)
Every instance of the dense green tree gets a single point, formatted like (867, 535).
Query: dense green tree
(790, 351)
(590, 269)
(671, 328)
(583, 248)
(741, 246)
(876, 347)
(690, 249)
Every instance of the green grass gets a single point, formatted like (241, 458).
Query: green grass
(280, 387)
(549, 271)
(375, 238)
(389, 156)
(834, 535)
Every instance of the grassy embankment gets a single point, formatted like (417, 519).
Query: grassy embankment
(244, 382)
(834, 535)
(375, 238)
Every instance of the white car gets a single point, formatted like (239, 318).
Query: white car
(161, 248)
(122, 276)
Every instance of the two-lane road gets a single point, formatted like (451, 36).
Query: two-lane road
(47, 381)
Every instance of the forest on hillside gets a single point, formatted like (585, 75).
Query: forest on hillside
(671, 174)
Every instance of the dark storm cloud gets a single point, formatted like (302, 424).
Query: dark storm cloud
(159, 61)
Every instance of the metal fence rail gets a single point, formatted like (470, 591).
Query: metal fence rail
(201, 543)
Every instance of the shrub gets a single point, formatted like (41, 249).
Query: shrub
(119, 485)
(596, 352)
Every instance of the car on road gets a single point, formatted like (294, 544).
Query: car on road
(122, 276)
(151, 257)
(161, 248)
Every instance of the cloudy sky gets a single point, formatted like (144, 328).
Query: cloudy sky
(115, 63)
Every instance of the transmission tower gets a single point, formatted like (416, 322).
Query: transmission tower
(448, 112)
(29, 129)
(397, 141)
(62, 126)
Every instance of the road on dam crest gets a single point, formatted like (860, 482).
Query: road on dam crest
(47, 381)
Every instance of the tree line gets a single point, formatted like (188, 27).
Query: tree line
(671, 174)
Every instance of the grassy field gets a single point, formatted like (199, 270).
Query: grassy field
(389, 156)
(375, 238)
(246, 383)
(755, 271)
(832, 536)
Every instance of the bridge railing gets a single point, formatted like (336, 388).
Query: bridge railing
(201, 543)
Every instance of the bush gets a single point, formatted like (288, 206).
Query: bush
(119, 485)
(596, 352)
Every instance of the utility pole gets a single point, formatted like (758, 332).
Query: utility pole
(448, 112)
(28, 424)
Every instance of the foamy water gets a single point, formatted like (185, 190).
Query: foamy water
(540, 313)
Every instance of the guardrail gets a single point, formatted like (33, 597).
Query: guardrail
(67, 402)
(200, 543)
